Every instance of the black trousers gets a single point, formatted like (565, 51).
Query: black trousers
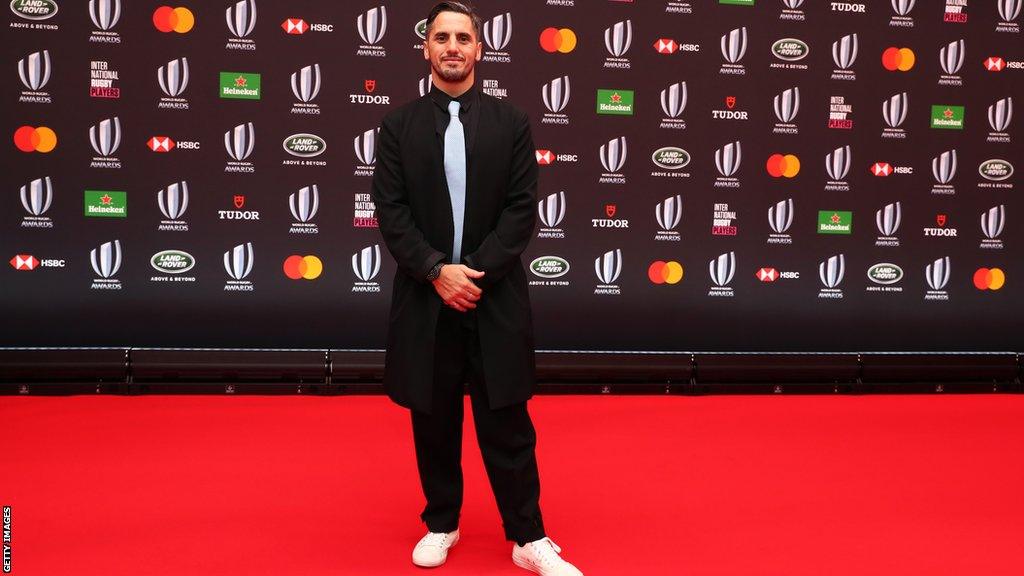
(506, 436)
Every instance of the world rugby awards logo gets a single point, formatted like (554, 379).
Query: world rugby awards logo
(372, 25)
(613, 158)
(105, 138)
(844, 55)
(365, 146)
(366, 266)
(791, 11)
(1009, 10)
(497, 35)
(887, 220)
(944, 170)
(303, 205)
(727, 161)
(734, 46)
(607, 267)
(551, 211)
(238, 263)
(36, 197)
(722, 270)
(901, 13)
(780, 218)
(106, 261)
(239, 143)
(673, 103)
(951, 57)
(173, 202)
(668, 213)
(894, 112)
(992, 222)
(34, 71)
(617, 40)
(999, 116)
(104, 15)
(306, 87)
(173, 80)
(837, 165)
(831, 273)
(937, 276)
(786, 106)
(555, 95)
(241, 20)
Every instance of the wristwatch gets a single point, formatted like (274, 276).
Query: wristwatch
(435, 271)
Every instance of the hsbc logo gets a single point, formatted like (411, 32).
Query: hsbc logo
(669, 46)
(27, 262)
(884, 169)
(300, 26)
(546, 157)
(769, 275)
(166, 144)
(994, 64)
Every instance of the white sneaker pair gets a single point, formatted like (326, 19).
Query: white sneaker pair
(540, 556)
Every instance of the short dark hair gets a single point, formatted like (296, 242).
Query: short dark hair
(459, 8)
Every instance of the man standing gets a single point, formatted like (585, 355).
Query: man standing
(455, 186)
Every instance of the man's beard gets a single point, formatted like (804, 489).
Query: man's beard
(453, 74)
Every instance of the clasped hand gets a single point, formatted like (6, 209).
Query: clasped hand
(456, 288)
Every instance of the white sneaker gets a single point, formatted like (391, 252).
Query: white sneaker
(432, 549)
(541, 556)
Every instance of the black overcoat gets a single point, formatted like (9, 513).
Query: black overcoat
(415, 216)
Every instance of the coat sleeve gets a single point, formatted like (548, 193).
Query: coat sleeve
(414, 255)
(501, 248)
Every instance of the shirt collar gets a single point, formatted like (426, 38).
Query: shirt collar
(466, 99)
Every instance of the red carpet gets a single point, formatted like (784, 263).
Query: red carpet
(787, 485)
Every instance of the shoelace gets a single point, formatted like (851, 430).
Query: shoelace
(436, 539)
(548, 555)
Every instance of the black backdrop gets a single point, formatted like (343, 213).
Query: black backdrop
(59, 303)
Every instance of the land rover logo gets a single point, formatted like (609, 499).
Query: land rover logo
(421, 29)
(549, 266)
(172, 261)
(885, 273)
(790, 49)
(34, 9)
(995, 169)
(305, 145)
(670, 158)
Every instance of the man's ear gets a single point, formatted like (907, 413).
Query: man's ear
(426, 53)
(479, 50)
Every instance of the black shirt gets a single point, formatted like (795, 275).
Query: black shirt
(469, 115)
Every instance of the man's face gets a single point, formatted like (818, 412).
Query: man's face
(452, 48)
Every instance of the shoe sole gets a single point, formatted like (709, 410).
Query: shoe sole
(524, 565)
(441, 563)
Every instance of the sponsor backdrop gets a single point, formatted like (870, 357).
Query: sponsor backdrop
(730, 175)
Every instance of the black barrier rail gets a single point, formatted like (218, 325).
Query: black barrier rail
(324, 371)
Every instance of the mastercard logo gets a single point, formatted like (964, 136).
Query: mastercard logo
(167, 19)
(779, 165)
(308, 267)
(989, 279)
(558, 40)
(29, 139)
(665, 272)
(901, 59)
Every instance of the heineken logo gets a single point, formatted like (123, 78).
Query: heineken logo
(34, 9)
(995, 170)
(240, 85)
(549, 266)
(670, 158)
(835, 222)
(172, 261)
(305, 145)
(885, 273)
(790, 49)
(947, 117)
(106, 203)
(619, 102)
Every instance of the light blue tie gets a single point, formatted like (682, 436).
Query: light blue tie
(455, 172)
